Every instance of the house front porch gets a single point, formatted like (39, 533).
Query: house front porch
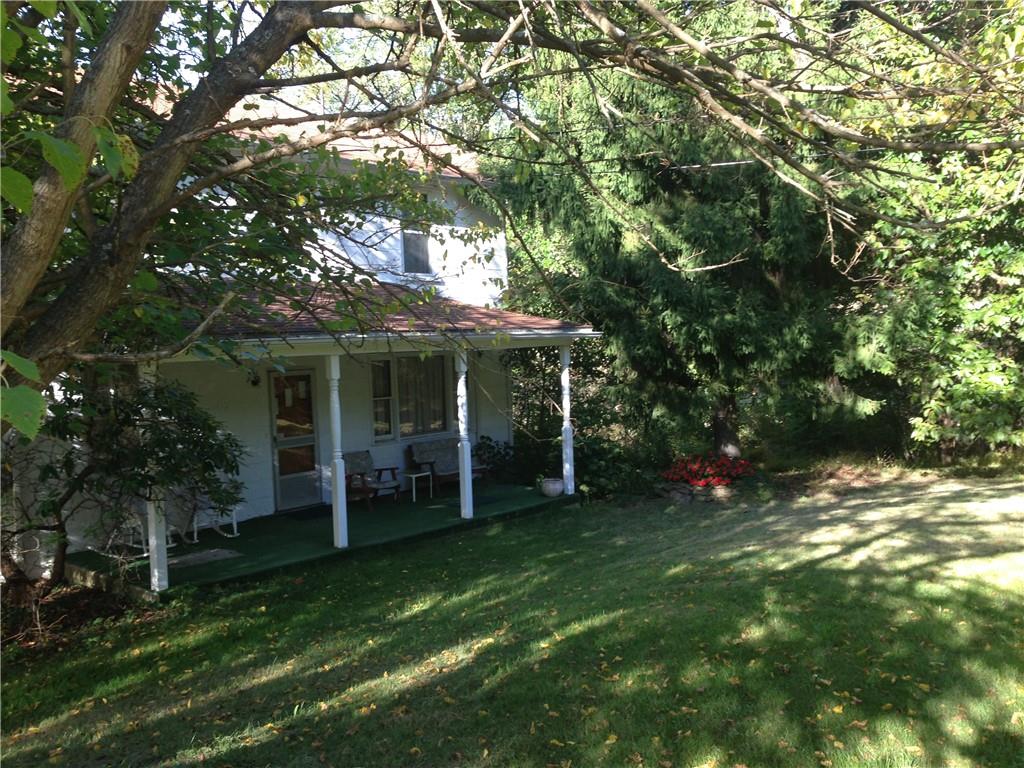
(275, 541)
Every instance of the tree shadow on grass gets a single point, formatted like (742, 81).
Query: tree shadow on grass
(539, 644)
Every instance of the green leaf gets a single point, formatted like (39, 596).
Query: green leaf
(129, 155)
(48, 8)
(6, 105)
(23, 408)
(62, 155)
(83, 20)
(110, 151)
(10, 42)
(16, 189)
(22, 365)
(145, 281)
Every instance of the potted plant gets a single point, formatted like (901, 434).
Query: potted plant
(552, 486)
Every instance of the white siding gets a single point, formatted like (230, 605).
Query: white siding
(474, 272)
(245, 411)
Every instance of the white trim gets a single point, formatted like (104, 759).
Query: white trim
(396, 435)
(391, 343)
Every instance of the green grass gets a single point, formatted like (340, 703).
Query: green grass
(880, 628)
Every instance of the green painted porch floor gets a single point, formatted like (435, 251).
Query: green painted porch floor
(271, 542)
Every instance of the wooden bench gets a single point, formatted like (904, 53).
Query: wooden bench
(441, 458)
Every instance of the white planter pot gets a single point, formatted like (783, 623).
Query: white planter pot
(552, 486)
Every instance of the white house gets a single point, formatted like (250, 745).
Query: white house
(432, 369)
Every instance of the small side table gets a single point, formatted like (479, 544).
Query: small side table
(414, 476)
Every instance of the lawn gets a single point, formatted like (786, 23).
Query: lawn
(881, 627)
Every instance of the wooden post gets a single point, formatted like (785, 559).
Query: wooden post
(568, 464)
(465, 447)
(339, 509)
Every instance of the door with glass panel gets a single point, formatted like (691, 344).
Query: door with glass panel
(295, 464)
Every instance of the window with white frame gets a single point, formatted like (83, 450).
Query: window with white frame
(420, 387)
(422, 406)
(415, 253)
(383, 420)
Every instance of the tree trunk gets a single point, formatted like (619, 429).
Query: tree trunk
(116, 251)
(30, 248)
(17, 585)
(723, 425)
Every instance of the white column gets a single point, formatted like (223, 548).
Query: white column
(156, 530)
(339, 509)
(465, 448)
(156, 520)
(568, 466)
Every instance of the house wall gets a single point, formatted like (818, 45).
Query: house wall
(472, 272)
(245, 411)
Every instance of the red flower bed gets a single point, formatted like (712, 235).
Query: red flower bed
(701, 471)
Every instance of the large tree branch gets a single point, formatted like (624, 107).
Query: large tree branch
(117, 250)
(350, 127)
(30, 247)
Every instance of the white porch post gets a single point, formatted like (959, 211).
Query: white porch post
(156, 530)
(568, 465)
(156, 519)
(465, 448)
(339, 509)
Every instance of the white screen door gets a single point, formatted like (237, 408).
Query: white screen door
(298, 476)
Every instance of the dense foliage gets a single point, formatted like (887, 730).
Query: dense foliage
(107, 445)
(725, 293)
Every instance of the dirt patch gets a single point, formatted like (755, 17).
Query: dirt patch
(55, 619)
(837, 480)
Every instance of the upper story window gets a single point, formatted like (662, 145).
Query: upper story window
(415, 256)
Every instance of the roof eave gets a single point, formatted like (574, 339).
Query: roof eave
(385, 341)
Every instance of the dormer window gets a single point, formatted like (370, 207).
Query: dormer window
(415, 256)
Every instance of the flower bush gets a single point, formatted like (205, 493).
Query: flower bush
(701, 471)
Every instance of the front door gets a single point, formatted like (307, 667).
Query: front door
(298, 477)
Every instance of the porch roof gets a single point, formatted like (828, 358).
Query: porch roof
(390, 311)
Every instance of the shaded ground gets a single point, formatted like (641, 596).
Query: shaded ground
(880, 628)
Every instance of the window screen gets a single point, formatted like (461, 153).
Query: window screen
(382, 420)
(421, 396)
(414, 253)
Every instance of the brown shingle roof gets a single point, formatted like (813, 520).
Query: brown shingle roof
(384, 309)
